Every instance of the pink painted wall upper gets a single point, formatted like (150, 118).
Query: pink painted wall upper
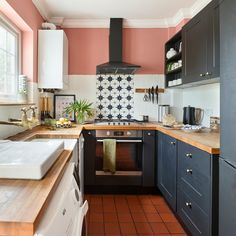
(89, 47)
(25, 15)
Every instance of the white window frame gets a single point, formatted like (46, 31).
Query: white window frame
(7, 24)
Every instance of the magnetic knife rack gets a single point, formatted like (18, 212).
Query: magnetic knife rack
(145, 90)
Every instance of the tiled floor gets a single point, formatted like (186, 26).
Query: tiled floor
(126, 215)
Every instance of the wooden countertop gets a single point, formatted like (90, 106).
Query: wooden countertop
(206, 141)
(22, 202)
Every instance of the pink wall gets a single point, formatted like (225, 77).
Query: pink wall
(25, 15)
(89, 47)
(145, 47)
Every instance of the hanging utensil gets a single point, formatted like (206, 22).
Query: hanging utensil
(152, 91)
(145, 98)
(149, 94)
(157, 93)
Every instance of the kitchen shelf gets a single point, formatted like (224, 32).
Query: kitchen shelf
(15, 104)
(176, 57)
(177, 70)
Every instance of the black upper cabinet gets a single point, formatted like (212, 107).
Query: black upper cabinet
(201, 46)
(167, 162)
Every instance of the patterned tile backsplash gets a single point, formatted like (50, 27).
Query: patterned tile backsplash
(115, 97)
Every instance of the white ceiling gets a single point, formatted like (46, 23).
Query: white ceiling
(73, 11)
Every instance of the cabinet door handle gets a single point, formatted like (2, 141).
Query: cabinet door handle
(189, 171)
(188, 204)
(149, 134)
(172, 143)
(202, 75)
(189, 155)
(208, 73)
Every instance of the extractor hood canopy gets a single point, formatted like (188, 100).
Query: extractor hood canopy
(115, 64)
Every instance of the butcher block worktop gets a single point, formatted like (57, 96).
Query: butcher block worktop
(22, 202)
(206, 141)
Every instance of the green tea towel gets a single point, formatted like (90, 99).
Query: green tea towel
(109, 155)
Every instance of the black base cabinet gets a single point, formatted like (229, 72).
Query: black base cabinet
(188, 180)
(166, 168)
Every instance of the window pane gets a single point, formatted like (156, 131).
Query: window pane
(11, 64)
(11, 43)
(10, 84)
(3, 36)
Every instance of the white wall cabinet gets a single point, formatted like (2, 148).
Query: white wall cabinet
(52, 59)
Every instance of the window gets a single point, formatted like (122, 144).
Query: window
(9, 61)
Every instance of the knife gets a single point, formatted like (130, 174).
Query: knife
(149, 94)
(152, 91)
(157, 93)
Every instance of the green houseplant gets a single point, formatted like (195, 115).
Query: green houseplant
(82, 108)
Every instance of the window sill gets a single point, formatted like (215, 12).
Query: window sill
(15, 104)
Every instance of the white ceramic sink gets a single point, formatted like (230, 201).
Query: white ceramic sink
(28, 160)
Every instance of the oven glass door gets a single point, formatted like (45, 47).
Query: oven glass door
(128, 157)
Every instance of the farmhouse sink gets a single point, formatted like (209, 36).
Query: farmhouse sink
(28, 160)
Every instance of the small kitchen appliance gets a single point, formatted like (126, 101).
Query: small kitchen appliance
(162, 111)
(192, 115)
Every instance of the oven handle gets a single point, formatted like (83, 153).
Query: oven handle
(123, 140)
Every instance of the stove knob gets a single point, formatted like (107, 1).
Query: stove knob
(108, 133)
(109, 123)
(118, 123)
(123, 123)
(128, 133)
(114, 123)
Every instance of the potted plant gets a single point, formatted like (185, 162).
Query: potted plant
(82, 109)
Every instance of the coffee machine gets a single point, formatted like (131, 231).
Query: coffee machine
(192, 115)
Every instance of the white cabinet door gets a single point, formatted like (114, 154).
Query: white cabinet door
(52, 59)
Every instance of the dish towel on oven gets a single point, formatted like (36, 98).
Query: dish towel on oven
(109, 155)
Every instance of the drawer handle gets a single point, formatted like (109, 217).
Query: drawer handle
(188, 204)
(202, 75)
(208, 73)
(172, 143)
(190, 171)
(189, 155)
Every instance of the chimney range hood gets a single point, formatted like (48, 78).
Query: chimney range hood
(115, 64)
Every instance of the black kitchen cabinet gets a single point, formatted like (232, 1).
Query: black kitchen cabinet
(89, 157)
(149, 158)
(197, 190)
(201, 46)
(166, 167)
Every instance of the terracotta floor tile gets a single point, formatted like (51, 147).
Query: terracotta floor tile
(168, 217)
(95, 234)
(96, 217)
(112, 228)
(158, 200)
(110, 217)
(96, 200)
(149, 209)
(159, 228)
(132, 199)
(139, 217)
(122, 207)
(179, 235)
(111, 235)
(163, 209)
(109, 208)
(124, 217)
(127, 228)
(145, 200)
(143, 228)
(174, 228)
(108, 199)
(136, 208)
(153, 217)
(95, 208)
(96, 228)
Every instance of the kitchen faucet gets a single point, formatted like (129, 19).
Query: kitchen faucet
(24, 121)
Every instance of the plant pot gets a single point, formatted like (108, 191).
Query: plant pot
(80, 120)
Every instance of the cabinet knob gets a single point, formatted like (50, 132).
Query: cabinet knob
(172, 143)
(89, 133)
(188, 204)
(149, 134)
(189, 155)
(208, 73)
(189, 171)
(202, 75)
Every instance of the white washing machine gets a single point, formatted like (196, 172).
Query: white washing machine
(66, 212)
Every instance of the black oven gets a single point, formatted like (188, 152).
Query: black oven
(135, 158)
(129, 149)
